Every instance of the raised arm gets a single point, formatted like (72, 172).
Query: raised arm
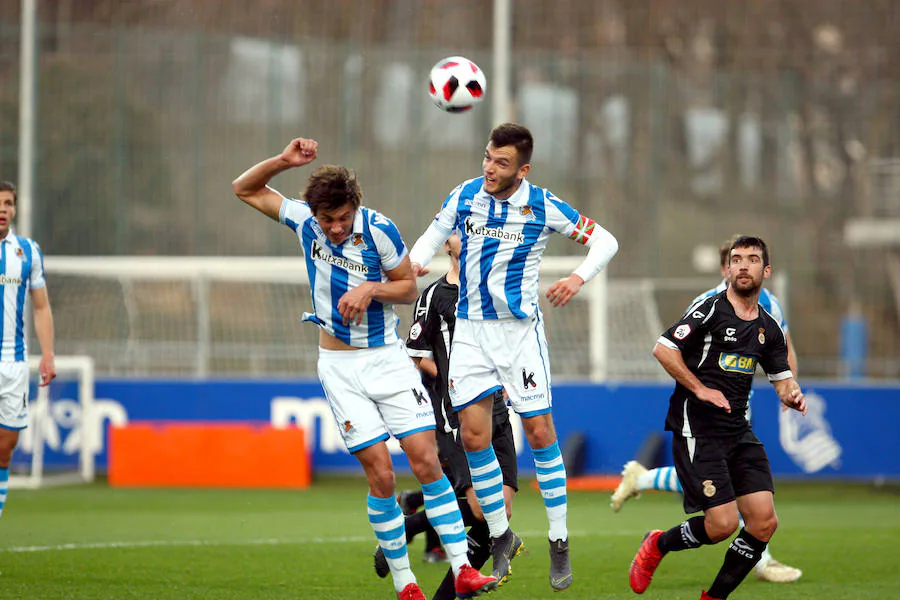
(43, 327)
(252, 185)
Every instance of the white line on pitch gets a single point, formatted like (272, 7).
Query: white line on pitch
(253, 542)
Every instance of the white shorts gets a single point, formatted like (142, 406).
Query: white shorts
(13, 395)
(511, 353)
(374, 392)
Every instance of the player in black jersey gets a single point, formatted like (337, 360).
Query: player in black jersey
(712, 353)
(428, 344)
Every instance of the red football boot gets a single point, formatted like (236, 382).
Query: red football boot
(411, 592)
(645, 562)
(471, 583)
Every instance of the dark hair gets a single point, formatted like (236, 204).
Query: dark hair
(513, 134)
(725, 250)
(9, 186)
(331, 187)
(746, 241)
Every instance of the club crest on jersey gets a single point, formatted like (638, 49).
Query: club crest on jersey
(527, 212)
(348, 426)
(359, 241)
(20, 253)
(709, 490)
(682, 331)
(762, 335)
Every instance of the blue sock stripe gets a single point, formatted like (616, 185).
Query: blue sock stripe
(381, 504)
(547, 454)
(656, 478)
(447, 498)
(383, 517)
(437, 488)
(396, 553)
(487, 476)
(491, 489)
(391, 534)
(481, 458)
(447, 519)
(454, 538)
(557, 501)
(551, 484)
(498, 505)
(549, 470)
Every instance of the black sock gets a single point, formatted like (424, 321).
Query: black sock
(690, 534)
(415, 499)
(432, 540)
(740, 558)
(416, 523)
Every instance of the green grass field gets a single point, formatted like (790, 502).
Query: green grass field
(96, 542)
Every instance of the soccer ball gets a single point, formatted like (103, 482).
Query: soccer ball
(456, 84)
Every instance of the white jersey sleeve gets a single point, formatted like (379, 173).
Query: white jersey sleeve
(36, 277)
(293, 213)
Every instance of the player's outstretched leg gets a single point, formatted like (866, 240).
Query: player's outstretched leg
(387, 522)
(444, 514)
(551, 477)
(487, 481)
(636, 479)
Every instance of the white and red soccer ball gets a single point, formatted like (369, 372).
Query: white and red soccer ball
(456, 84)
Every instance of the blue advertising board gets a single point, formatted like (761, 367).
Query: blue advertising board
(848, 432)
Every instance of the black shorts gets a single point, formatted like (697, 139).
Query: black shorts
(717, 470)
(453, 457)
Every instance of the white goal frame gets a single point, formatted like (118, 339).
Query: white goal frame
(83, 367)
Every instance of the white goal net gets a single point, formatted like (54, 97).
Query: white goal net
(239, 316)
(58, 446)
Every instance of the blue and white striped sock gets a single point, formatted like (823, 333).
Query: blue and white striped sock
(443, 514)
(487, 481)
(551, 478)
(387, 521)
(4, 487)
(663, 479)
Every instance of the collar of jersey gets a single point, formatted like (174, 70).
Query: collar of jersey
(519, 198)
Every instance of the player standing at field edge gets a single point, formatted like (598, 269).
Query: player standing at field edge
(358, 267)
(504, 223)
(637, 478)
(21, 270)
(712, 353)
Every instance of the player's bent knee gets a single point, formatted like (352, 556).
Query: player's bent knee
(720, 527)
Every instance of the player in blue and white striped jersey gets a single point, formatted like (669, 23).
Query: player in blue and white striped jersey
(358, 268)
(21, 271)
(504, 223)
(636, 478)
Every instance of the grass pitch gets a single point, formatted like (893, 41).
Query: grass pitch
(96, 542)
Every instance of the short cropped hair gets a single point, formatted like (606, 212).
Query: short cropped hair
(9, 186)
(746, 241)
(513, 134)
(725, 250)
(331, 187)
